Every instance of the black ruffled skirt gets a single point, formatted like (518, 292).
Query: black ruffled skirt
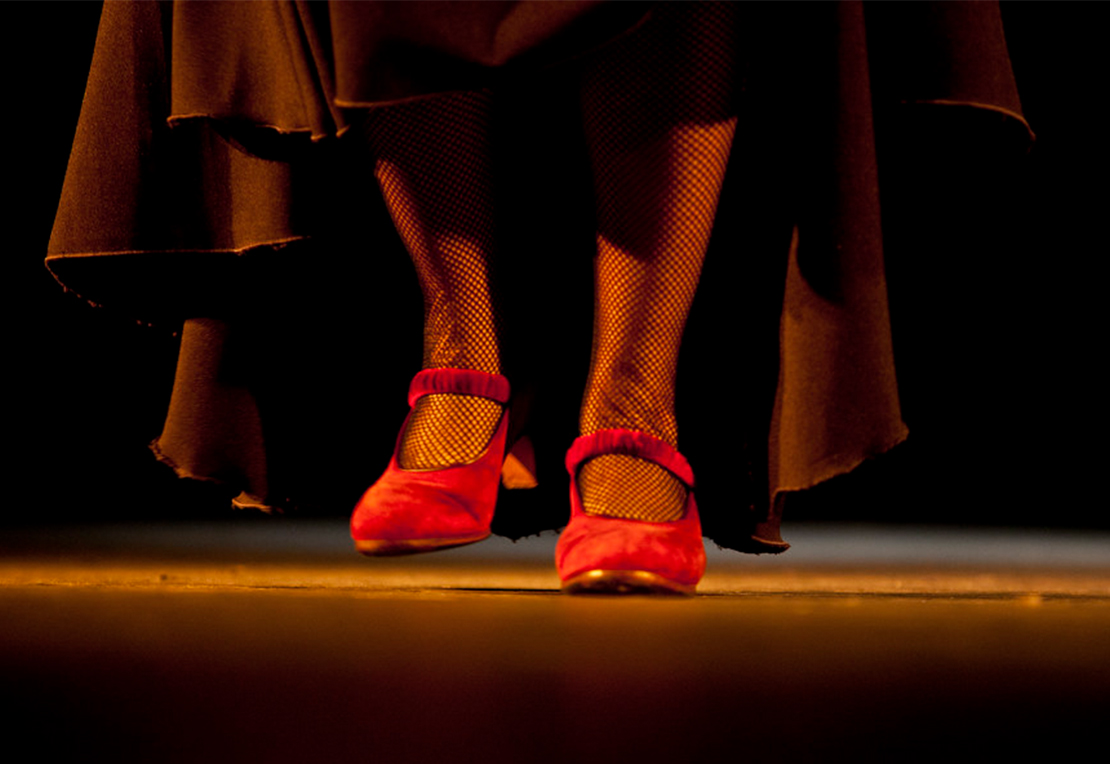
(215, 183)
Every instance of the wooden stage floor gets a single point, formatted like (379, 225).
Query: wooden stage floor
(272, 641)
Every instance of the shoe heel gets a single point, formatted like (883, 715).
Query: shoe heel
(519, 469)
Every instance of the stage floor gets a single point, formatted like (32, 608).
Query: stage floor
(273, 641)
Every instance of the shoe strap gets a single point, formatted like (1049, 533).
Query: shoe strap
(459, 382)
(629, 443)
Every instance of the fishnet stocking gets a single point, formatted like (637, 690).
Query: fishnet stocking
(659, 122)
(432, 163)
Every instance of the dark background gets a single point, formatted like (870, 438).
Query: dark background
(996, 313)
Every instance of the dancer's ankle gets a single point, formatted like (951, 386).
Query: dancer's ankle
(616, 485)
(446, 430)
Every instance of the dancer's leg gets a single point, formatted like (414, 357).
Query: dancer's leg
(659, 121)
(432, 162)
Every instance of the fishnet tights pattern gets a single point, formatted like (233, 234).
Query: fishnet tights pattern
(659, 122)
(432, 163)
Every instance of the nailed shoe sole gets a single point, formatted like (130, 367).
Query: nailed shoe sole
(624, 582)
(397, 547)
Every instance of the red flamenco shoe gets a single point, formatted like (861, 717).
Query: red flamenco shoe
(411, 511)
(609, 555)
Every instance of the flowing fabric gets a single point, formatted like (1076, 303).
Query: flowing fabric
(215, 181)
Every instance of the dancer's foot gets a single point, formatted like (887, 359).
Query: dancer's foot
(419, 510)
(610, 555)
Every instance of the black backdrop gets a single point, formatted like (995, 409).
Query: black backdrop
(996, 357)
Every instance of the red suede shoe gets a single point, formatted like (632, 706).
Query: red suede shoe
(410, 511)
(616, 556)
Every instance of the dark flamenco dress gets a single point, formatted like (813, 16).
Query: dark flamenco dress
(217, 180)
